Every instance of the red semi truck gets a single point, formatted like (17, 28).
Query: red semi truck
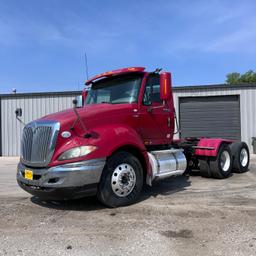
(118, 137)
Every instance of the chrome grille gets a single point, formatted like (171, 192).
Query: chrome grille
(38, 142)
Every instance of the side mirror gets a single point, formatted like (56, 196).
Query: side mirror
(18, 112)
(78, 101)
(165, 86)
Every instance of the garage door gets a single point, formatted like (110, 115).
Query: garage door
(217, 117)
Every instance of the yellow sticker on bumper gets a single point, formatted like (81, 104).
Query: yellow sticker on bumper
(28, 175)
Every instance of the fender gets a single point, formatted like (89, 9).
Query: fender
(212, 144)
(116, 136)
(108, 138)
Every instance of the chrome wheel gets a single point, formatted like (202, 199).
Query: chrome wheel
(225, 161)
(123, 180)
(241, 155)
(244, 157)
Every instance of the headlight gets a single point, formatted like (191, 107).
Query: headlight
(76, 152)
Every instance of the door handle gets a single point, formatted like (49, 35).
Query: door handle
(169, 122)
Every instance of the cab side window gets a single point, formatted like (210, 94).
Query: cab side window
(152, 91)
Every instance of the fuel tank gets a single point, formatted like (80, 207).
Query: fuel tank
(167, 163)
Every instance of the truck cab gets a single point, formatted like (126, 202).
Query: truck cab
(118, 136)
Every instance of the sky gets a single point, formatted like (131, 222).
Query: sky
(43, 43)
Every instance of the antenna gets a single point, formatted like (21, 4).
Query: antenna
(86, 65)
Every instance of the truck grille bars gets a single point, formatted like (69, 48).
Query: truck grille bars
(38, 142)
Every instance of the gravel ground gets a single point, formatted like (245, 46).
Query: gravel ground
(178, 216)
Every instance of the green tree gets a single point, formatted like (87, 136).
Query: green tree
(233, 78)
(248, 77)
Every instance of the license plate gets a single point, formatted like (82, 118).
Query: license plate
(28, 175)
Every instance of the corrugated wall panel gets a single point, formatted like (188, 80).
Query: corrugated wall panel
(33, 107)
(40, 105)
(248, 125)
(198, 117)
(247, 106)
(200, 92)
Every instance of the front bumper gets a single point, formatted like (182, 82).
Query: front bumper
(62, 182)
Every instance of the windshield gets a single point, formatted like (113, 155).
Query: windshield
(115, 90)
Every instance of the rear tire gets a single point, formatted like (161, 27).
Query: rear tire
(205, 170)
(121, 180)
(241, 156)
(221, 168)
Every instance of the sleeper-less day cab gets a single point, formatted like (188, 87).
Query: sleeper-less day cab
(118, 137)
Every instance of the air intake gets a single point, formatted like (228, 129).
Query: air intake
(38, 142)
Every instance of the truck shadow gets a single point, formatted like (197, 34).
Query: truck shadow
(166, 187)
(163, 187)
(83, 204)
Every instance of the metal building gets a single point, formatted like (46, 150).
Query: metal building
(210, 111)
(33, 105)
(217, 111)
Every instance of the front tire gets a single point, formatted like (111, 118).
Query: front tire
(121, 180)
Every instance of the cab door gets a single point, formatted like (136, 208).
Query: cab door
(155, 121)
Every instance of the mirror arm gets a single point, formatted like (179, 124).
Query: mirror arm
(78, 118)
(18, 114)
(20, 120)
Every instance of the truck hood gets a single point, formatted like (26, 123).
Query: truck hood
(92, 115)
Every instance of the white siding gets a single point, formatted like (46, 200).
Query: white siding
(33, 107)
